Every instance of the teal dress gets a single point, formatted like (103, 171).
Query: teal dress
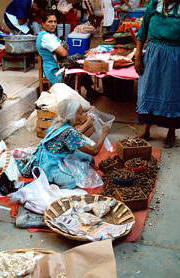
(50, 64)
(159, 86)
(59, 145)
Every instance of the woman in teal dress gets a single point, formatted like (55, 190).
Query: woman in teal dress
(48, 46)
(159, 83)
(64, 143)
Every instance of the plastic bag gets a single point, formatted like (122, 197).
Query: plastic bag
(100, 119)
(38, 194)
(84, 175)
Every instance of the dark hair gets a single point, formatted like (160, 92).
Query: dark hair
(41, 3)
(46, 14)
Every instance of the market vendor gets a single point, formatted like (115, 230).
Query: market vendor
(63, 141)
(120, 12)
(18, 13)
(50, 48)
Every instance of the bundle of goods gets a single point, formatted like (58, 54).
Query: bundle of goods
(121, 61)
(95, 217)
(130, 46)
(129, 148)
(95, 66)
(129, 24)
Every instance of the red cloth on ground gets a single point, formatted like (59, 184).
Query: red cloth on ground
(6, 202)
(140, 216)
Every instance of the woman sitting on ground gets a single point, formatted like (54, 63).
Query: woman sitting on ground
(63, 141)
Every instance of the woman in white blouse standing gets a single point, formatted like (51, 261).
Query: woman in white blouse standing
(108, 12)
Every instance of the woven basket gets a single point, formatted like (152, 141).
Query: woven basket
(120, 214)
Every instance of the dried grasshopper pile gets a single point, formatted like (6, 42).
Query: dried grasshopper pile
(133, 142)
(145, 180)
(111, 163)
(135, 163)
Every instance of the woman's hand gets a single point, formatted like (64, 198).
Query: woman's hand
(105, 130)
(90, 121)
(139, 64)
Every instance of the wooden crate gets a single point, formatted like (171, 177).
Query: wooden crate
(133, 204)
(127, 153)
(44, 121)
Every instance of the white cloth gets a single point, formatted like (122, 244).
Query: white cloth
(50, 42)
(52, 102)
(108, 11)
(23, 28)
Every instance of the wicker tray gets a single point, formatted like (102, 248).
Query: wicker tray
(120, 214)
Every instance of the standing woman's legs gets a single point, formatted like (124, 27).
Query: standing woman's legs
(170, 138)
(146, 134)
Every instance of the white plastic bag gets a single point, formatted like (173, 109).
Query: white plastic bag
(38, 194)
(100, 119)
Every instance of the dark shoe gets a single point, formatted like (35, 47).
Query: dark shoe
(170, 139)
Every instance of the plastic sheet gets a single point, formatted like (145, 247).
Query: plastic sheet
(101, 119)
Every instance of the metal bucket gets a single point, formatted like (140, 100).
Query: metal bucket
(20, 44)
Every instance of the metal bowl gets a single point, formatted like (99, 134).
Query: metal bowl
(20, 44)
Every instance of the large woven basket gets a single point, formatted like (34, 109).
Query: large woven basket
(120, 214)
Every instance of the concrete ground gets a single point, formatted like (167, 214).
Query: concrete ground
(157, 254)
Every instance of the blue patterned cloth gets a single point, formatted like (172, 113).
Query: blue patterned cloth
(51, 153)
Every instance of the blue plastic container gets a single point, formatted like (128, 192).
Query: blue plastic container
(78, 43)
(136, 13)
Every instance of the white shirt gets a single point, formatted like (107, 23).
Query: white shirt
(108, 11)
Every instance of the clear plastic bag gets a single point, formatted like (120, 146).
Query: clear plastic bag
(84, 175)
(101, 119)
